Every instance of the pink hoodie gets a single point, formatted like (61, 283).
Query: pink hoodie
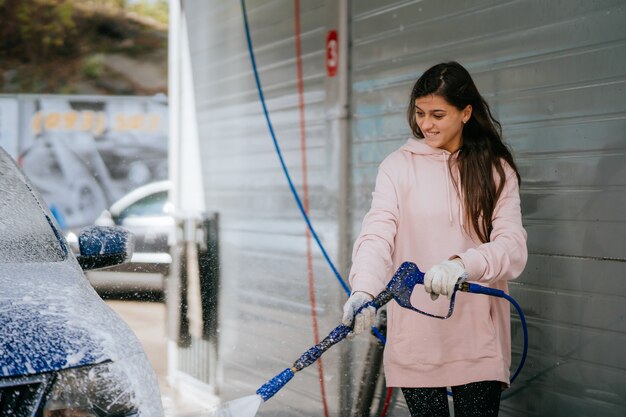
(417, 216)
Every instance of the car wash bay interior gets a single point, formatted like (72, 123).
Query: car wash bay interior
(554, 74)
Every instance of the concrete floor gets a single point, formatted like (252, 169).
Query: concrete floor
(147, 320)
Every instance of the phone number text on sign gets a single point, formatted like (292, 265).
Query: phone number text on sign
(94, 121)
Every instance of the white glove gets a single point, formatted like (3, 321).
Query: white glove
(365, 319)
(441, 278)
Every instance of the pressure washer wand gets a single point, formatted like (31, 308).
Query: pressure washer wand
(309, 357)
(400, 287)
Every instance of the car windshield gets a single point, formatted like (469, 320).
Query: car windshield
(25, 233)
(152, 205)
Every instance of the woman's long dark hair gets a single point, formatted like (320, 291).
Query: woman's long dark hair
(482, 148)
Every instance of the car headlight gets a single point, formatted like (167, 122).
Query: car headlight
(102, 390)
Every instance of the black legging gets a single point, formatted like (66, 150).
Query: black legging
(477, 399)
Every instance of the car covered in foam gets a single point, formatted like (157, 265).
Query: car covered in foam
(63, 351)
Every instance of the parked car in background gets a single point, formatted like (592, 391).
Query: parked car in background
(146, 212)
(63, 351)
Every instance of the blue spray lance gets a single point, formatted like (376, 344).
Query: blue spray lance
(399, 288)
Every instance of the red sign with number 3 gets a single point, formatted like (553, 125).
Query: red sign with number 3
(332, 53)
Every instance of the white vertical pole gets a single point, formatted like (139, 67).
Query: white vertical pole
(343, 105)
(337, 91)
(344, 220)
(174, 48)
(190, 185)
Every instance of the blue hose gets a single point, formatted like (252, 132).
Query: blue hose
(280, 155)
(479, 289)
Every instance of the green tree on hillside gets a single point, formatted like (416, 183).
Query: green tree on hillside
(69, 46)
(33, 29)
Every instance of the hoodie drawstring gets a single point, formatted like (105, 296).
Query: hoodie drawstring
(447, 173)
(461, 206)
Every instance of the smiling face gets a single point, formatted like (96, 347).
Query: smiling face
(441, 123)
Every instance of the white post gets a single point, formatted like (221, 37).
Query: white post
(337, 91)
(173, 158)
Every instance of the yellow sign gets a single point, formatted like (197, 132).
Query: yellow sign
(95, 122)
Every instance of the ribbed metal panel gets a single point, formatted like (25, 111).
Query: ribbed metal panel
(265, 315)
(555, 74)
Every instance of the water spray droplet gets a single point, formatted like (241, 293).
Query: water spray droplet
(241, 407)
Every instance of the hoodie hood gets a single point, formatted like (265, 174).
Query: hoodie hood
(419, 147)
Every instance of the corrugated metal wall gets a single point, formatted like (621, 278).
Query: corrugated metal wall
(265, 311)
(555, 74)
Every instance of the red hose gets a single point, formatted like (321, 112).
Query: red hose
(305, 195)
(387, 401)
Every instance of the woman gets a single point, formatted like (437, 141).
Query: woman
(448, 201)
